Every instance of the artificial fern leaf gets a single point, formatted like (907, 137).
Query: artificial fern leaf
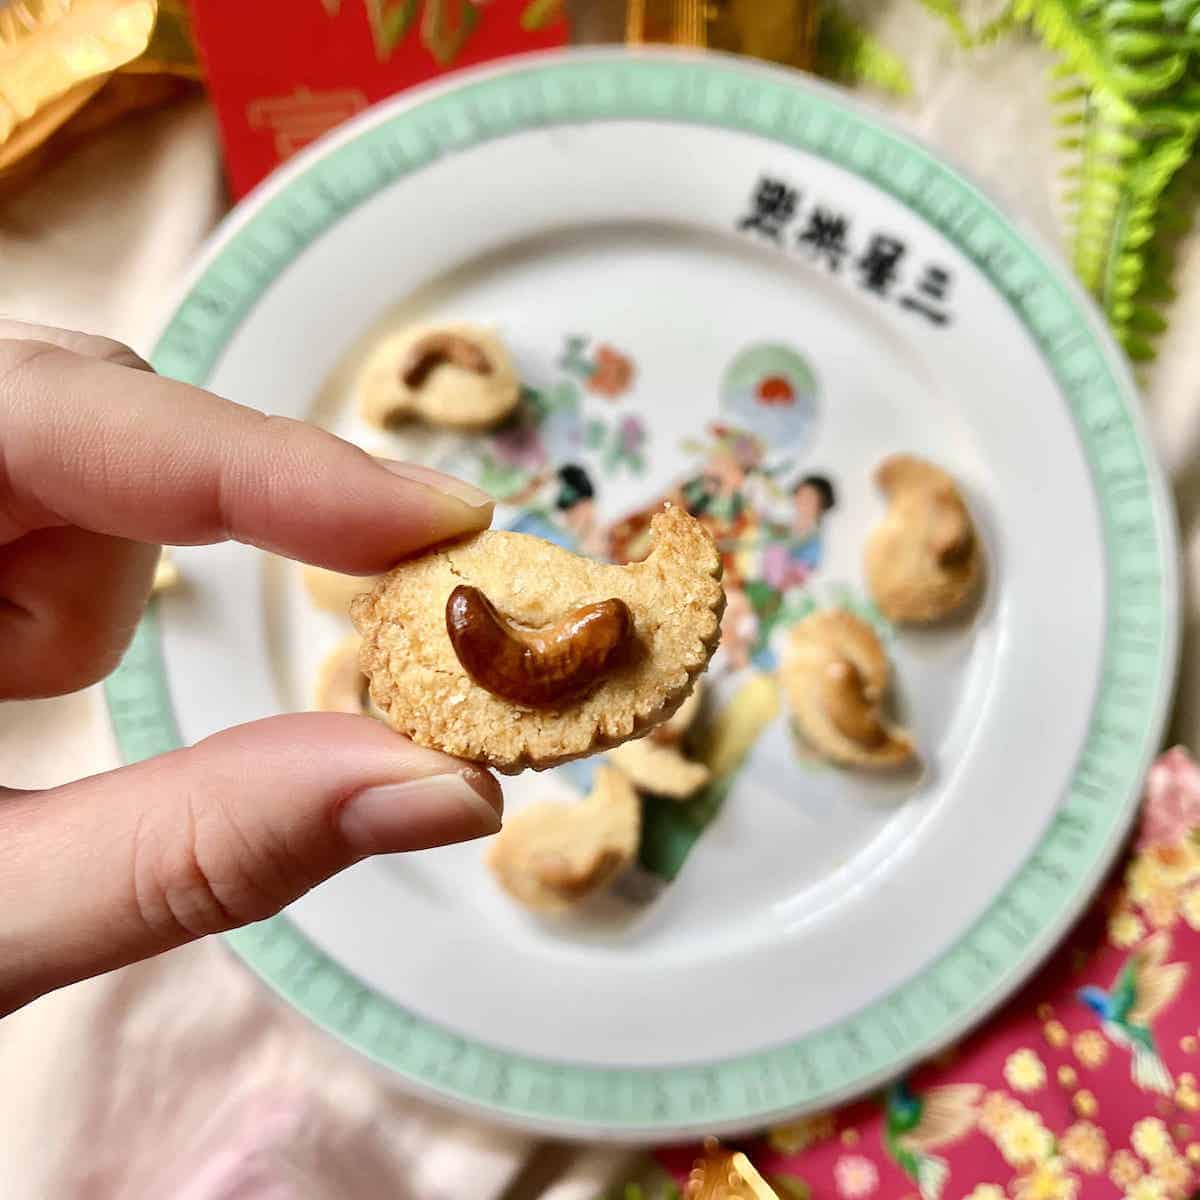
(848, 53)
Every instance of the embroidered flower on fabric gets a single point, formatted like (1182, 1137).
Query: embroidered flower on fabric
(1146, 1188)
(1190, 908)
(1085, 1146)
(1023, 1071)
(1172, 808)
(1049, 1181)
(856, 1176)
(1025, 1140)
(1124, 929)
(1090, 1048)
(1151, 1139)
(1174, 1174)
(1124, 1169)
(996, 1112)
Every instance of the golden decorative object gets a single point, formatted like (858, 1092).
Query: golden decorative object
(55, 55)
(784, 31)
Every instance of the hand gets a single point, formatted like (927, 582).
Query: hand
(101, 460)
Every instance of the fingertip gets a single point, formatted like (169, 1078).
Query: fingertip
(438, 508)
(448, 485)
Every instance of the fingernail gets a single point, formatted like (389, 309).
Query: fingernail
(432, 811)
(430, 478)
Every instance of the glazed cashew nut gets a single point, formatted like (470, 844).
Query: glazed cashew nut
(439, 347)
(537, 668)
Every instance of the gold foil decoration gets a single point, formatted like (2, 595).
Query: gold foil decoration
(782, 31)
(54, 54)
(172, 47)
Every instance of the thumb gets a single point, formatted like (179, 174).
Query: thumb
(130, 863)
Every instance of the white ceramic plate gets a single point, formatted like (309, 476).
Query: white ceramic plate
(731, 278)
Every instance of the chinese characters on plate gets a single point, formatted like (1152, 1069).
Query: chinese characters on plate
(776, 212)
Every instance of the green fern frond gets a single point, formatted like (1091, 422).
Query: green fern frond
(848, 53)
(948, 11)
(1162, 195)
(1128, 89)
(1063, 26)
(1005, 21)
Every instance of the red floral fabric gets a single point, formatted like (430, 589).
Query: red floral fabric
(1085, 1086)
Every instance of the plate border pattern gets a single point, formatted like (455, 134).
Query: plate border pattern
(1022, 925)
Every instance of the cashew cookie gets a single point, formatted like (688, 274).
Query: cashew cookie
(549, 856)
(506, 650)
(923, 560)
(835, 674)
(457, 376)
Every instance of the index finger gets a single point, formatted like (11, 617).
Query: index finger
(104, 446)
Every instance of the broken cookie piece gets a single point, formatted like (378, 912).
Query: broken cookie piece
(660, 768)
(924, 560)
(550, 856)
(457, 376)
(479, 694)
(835, 675)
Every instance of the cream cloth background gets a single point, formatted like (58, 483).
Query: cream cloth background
(182, 1078)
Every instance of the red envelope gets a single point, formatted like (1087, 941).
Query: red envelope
(282, 72)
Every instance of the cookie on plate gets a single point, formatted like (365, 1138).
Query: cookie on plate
(549, 856)
(456, 376)
(835, 675)
(924, 560)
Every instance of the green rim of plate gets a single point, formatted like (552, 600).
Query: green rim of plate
(1138, 671)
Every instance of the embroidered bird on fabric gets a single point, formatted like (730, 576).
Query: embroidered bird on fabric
(1145, 985)
(919, 1123)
